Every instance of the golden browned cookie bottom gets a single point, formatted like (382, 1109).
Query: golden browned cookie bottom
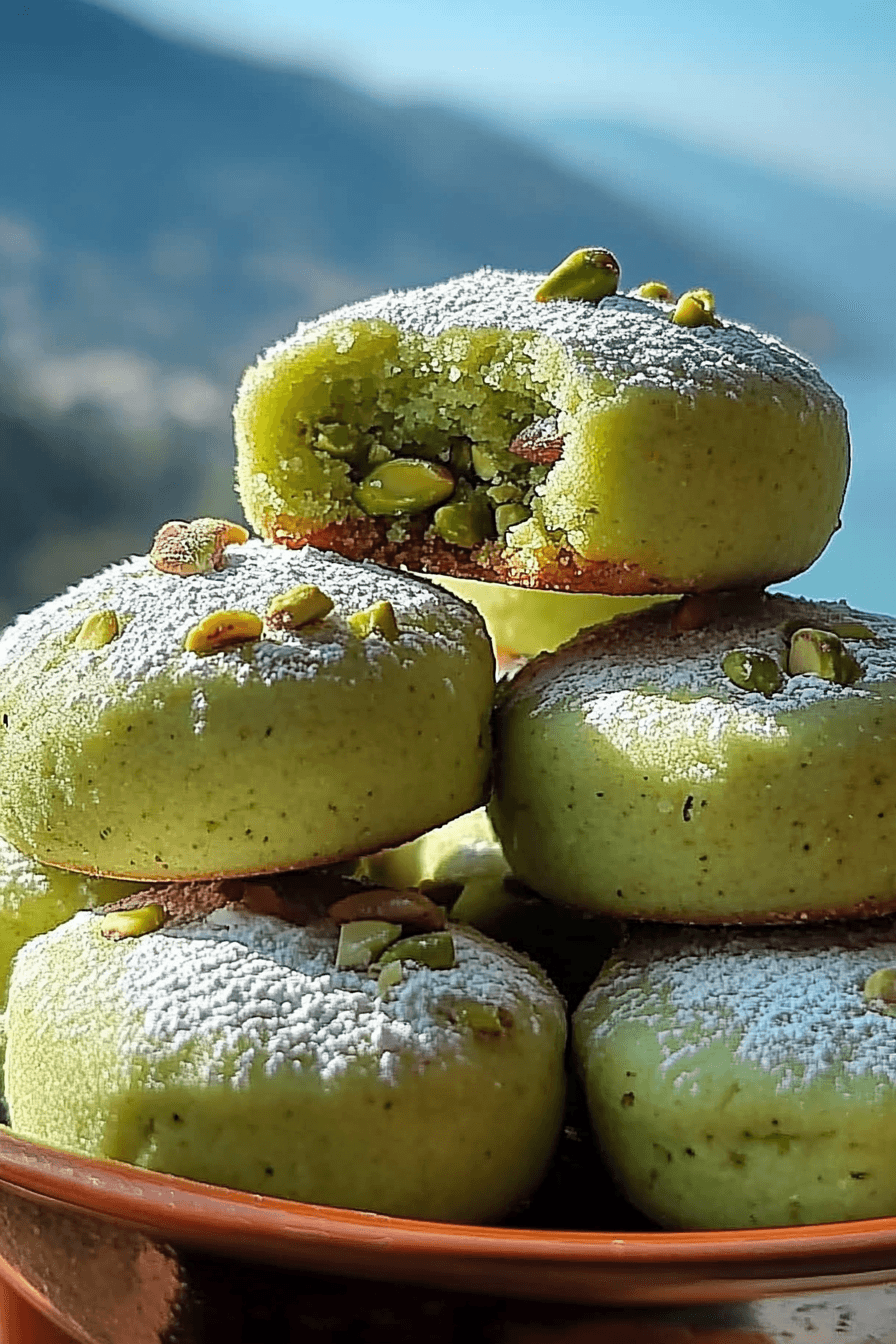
(563, 570)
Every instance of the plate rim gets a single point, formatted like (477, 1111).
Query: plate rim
(171, 1205)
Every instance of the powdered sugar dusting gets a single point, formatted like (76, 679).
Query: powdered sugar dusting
(789, 1002)
(251, 988)
(630, 341)
(20, 877)
(628, 676)
(157, 611)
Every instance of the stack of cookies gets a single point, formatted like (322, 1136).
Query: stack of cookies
(720, 759)
(222, 709)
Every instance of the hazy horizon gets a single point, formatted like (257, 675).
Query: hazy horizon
(805, 87)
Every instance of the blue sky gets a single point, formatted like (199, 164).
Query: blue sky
(806, 85)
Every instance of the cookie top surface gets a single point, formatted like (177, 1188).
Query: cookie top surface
(240, 985)
(631, 342)
(788, 1002)
(157, 610)
(637, 659)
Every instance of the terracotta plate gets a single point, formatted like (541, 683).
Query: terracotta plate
(596, 1267)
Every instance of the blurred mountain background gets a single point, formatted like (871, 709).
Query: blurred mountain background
(167, 209)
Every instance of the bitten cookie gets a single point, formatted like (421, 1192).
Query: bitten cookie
(469, 429)
(241, 1049)
(740, 771)
(282, 710)
(746, 1079)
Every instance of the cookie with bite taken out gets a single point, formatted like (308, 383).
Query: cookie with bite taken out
(545, 433)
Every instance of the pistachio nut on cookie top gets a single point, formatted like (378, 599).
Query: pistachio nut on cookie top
(545, 432)
(222, 707)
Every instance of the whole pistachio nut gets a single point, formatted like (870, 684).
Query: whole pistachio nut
(404, 485)
(753, 671)
(361, 942)
(297, 607)
(696, 308)
(97, 630)
(881, 985)
(435, 950)
(119, 924)
(195, 547)
(655, 289)
(820, 653)
(376, 620)
(590, 273)
(223, 630)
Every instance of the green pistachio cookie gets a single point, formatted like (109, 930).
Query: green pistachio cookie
(748, 1078)
(717, 760)
(416, 1075)
(276, 710)
(34, 899)
(551, 436)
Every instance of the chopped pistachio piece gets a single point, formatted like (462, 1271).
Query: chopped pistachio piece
(99, 629)
(379, 619)
(362, 942)
(338, 440)
(435, 950)
(655, 289)
(753, 671)
(465, 522)
(881, 985)
(404, 485)
(483, 1017)
(493, 461)
(390, 976)
(196, 547)
(696, 308)
(223, 630)
(508, 515)
(132, 923)
(590, 273)
(505, 493)
(299, 606)
(820, 653)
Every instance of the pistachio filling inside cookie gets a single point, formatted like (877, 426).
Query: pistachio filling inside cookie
(562, 442)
